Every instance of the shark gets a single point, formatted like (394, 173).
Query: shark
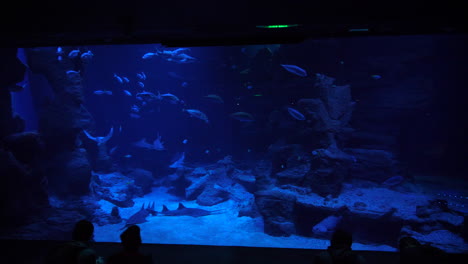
(184, 211)
(140, 216)
(178, 163)
(157, 144)
(100, 140)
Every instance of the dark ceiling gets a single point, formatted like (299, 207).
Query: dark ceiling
(193, 23)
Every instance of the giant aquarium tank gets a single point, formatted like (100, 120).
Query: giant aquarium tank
(271, 145)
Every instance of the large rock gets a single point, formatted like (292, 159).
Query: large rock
(25, 146)
(217, 176)
(262, 172)
(212, 194)
(197, 187)
(142, 178)
(372, 164)
(246, 179)
(336, 98)
(368, 140)
(328, 170)
(436, 215)
(69, 173)
(11, 72)
(23, 192)
(320, 118)
(114, 187)
(278, 210)
(294, 175)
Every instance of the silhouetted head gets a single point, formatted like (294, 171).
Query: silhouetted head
(131, 239)
(408, 242)
(83, 231)
(341, 239)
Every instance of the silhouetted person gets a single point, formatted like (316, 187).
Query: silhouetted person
(78, 250)
(339, 251)
(412, 251)
(131, 242)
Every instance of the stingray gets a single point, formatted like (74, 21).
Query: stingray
(140, 216)
(100, 140)
(184, 211)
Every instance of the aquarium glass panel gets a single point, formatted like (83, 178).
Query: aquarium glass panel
(274, 145)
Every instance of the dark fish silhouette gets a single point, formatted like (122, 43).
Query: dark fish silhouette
(295, 70)
(140, 216)
(184, 211)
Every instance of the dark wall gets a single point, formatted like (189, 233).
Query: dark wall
(25, 252)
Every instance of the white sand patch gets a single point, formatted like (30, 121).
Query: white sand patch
(224, 229)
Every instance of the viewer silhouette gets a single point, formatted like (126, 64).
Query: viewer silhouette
(78, 250)
(131, 242)
(339, 251)
(412, 251)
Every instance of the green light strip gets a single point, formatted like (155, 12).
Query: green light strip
(278, 26)
(358, 30)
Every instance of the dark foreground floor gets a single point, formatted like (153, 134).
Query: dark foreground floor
(25, 252)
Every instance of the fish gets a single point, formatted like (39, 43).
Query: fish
(141, 76)
(112, 150)
(157, 144)
(59, 53)
(184, 211)
(135, 109)
(207, 151)
(170, 97)
(176, 55)
(100, 92)
(128, 156)
(243, 116)
(72, 73)
(125, 79)
(214, 98)
(127, 93)
(198, 114)
(87, 56)
(100, 140)
(393, 181)
(246, 71)
(174, 75)
(142, 85)
(120, 129)
(184, 84)
(180, 50)
(184, 141)
(132, 115)
(147, 96)
(296, 114)
(181, 58)
(295, 70)
(148, 55)
(376, 77)
(140, 216)
(118, 78)
(73, 54)
(178, 163)
(248, 85)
